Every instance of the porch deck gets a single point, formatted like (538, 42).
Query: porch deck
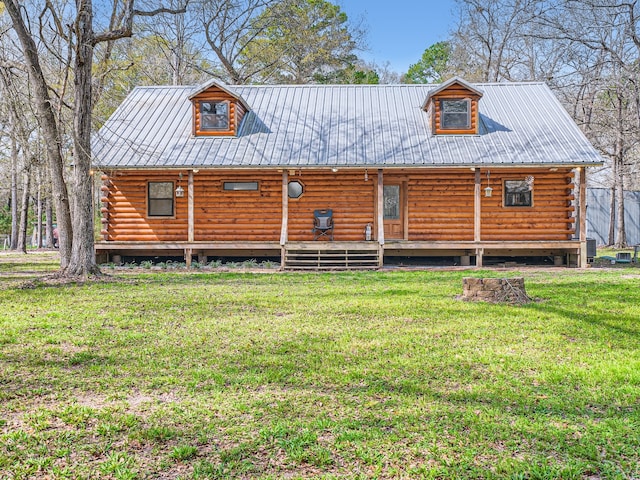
(320, 255)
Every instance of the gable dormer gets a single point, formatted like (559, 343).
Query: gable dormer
(453, 108)
(217, 111)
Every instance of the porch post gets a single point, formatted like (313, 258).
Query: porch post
(190, 228)
(477, 216)
(477, 207)
(582, 171)
(380, 219)
(284, 230)
(190, 209)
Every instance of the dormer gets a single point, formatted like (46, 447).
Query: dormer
(453, 108)
(217, 111)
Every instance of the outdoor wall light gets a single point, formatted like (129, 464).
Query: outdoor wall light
(179, 189)
(488, 191)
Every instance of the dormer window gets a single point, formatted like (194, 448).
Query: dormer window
(214, 115)
(453, 108)
(217, 111)
(455, 114)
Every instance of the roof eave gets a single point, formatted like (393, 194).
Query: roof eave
(350, 167)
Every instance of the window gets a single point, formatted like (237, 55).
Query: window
(214, 115)
(455, 114)
(391, 197)
(240, 186)
(160, 199)
(518, 193)
(295, 189)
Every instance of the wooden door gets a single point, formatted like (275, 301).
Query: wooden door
(394, 210)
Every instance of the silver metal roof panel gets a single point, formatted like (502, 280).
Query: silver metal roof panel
(342, 125)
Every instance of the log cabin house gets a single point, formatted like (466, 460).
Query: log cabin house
(458, 170)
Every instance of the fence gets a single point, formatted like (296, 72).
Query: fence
(598, 215)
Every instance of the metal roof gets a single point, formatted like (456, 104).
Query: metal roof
(297, 126)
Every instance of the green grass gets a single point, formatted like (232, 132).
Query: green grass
(349, 375)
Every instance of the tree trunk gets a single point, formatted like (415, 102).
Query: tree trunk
(48, 212)
(83, 257)
(24, 211)
(621, 236)
(47, 122)
(611, 234)
(14, 193)
(39, 242)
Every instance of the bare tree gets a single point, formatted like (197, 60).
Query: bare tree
(23, 224)
(76, 242)
(489, 38)
(49, 126)
(176, 44)
(587, 50)
(608, 35)
(21, 134)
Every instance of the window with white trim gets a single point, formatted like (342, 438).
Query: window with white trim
(455, 114)
(214, 115)
(160, 199)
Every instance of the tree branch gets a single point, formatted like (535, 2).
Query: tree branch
(127, 29)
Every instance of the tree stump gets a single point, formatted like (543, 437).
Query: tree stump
(495, 290)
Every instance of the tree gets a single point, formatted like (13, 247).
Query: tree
(301, 41)
(23, 136)
(76, 242)
(358, 74)
(433, 66)
(606, 37)
(230, 27)
(589, 53)
(489, 36)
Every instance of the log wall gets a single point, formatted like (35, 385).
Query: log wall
(124, 207)
(441, 205)
(237, 215)
(351, 198)
(550, 217)
(218, 215)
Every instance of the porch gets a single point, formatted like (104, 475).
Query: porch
(326, 255)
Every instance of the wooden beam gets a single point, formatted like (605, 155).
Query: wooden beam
(477, 203)
(380, 207)
(284, 230)
(190, 211)
(583, 217)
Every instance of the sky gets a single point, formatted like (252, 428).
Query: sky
(399, 31)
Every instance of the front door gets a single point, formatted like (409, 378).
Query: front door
(393, 211)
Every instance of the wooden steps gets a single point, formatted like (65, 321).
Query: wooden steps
(326, 256)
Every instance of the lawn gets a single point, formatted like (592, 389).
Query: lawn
(166, 375)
